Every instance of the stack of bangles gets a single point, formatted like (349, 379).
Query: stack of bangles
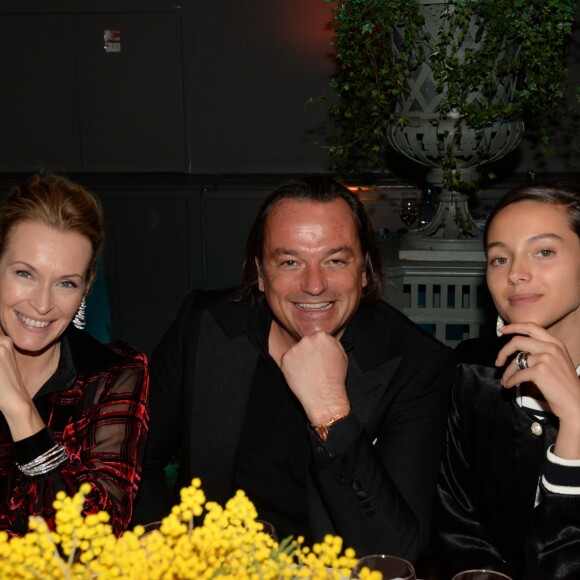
(45, 462)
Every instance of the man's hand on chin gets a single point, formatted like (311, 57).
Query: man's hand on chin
(315, 369)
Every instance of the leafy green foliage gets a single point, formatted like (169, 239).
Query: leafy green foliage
(524, 38)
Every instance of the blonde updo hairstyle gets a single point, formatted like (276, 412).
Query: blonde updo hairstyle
(56, 202)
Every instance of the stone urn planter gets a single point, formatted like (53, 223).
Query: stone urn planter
(430, 140)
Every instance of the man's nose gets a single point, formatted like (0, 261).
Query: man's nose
(314, 281)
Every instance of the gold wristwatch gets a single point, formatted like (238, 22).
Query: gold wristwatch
(323, 428)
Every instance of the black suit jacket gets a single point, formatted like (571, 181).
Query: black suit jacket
(374, 481)
(485, 514)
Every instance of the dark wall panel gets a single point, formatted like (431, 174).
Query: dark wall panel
(228, 216)
(152, 250)
(153, 257)
(67, 104)
(131, 102)
(250, 68)
(38, 97)
(199, 87)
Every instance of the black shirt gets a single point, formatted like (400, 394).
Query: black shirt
(272, 459)
(276, 446)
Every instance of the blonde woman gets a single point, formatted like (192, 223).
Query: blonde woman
(71, 409)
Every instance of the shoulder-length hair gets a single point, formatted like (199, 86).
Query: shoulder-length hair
(318, 190)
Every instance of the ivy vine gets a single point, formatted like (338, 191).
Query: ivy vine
(529, 36)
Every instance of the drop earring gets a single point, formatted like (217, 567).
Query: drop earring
(79, 318)
(500, 323)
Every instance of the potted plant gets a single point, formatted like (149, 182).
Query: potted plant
(446, 83)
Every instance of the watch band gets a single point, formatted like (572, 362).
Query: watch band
(323, 428)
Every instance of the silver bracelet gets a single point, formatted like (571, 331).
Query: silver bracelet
(54, 451)
(46, 462)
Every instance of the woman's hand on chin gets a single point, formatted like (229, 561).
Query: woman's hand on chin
(15, 403)
(552, 371)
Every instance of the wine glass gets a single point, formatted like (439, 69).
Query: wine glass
(391, 567)
(480, 575)
(269, 529)
(408, 207)
(151, 527)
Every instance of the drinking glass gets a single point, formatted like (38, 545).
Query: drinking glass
(408, 207)
(269, 529)
(481, 575)
(391, 567)
(151, 527)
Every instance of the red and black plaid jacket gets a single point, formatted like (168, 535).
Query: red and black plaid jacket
(95, 405)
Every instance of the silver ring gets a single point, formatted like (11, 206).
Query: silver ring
(522, 360)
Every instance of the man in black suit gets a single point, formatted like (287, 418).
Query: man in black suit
(324, 404)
